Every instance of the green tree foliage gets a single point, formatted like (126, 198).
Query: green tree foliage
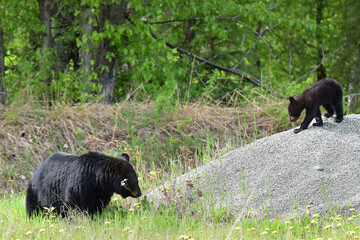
(177, 50)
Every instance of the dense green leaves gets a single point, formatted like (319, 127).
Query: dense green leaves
(279, 43)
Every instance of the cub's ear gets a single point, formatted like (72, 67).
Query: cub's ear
(126, 157)
(292, 99)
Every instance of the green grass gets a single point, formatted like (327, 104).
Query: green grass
(117, 222)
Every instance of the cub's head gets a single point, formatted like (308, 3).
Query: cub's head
(126, 183)
(295, 108)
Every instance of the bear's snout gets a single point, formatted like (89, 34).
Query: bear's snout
(136, 194)
(293, 119)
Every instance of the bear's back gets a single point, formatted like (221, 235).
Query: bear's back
(56, 160)
(57, 166)
(324, 91)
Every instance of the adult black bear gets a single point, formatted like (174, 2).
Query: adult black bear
(326, 92)
(84, 182)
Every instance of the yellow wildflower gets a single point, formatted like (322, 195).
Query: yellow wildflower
(328, 226)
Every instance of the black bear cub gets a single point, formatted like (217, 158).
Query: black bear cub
(326, 92)
(80, 182)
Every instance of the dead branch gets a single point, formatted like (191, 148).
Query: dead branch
(351, 95)
(234, 18)
(243, 75)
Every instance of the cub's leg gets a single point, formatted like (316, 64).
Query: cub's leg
(319, 121)
(339, 111)
(330, 110)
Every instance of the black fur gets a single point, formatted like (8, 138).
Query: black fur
(83, 182)
(326, 92)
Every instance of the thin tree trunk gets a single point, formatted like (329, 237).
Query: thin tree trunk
(257, 60)
(321, 71)
(2, 66)
(45, 16)
(352, 99)
(85, 52)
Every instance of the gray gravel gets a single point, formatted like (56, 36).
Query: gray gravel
(277, 176)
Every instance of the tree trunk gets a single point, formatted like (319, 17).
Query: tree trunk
(321, 71)
(352, 99)
(257, 59)
(45, 17)
(2, 66)
(106, 69)
(85, 52)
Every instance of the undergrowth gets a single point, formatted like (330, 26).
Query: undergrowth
(158, 135)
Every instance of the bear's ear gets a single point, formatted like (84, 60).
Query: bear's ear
(126, 157)
(292, 99)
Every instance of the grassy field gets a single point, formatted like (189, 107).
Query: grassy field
(163, 142)
(122, 220)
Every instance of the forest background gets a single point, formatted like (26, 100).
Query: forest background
(176, 51)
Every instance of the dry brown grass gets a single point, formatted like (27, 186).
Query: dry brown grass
(31, 131)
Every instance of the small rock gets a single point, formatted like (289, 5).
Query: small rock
(319, 168)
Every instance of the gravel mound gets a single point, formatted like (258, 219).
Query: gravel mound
(279, 175)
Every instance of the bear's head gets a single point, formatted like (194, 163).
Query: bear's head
(127, 182)
(295, 108)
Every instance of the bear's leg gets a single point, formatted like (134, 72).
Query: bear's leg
(308, 118)
(319, 121)
(339, 110)
(330, 110)
(31, 201)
